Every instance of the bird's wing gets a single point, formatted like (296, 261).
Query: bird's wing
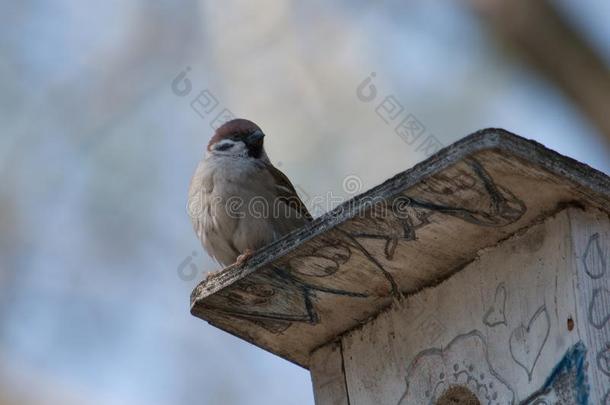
(287, 192)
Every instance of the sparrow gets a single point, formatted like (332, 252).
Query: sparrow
(238, 201)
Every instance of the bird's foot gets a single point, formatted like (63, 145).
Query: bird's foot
(242, 258)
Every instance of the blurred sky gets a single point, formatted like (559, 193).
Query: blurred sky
(97, 151)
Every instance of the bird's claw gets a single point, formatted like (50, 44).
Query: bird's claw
(242, 258)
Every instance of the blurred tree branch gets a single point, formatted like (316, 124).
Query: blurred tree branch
(549, 44)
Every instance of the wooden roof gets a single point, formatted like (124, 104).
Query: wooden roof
(410, 232)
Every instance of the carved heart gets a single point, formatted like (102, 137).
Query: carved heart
(526, 343)
(495, 314)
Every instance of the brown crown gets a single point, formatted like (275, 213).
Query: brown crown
(235, 129)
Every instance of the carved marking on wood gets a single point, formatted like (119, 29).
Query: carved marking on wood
(599, 309)
(327, 259)
(496, 206)
(375, 262)
(495, 315)
(526, 342)
(394, 221)
(252, 301)
(594, 259)
(603, 360)
(434, 370)
(451, 184)
(262, 299)
(325, 262)
(567, 384)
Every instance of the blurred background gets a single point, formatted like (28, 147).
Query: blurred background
(106, 108)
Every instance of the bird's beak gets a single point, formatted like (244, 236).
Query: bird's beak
(256, 137)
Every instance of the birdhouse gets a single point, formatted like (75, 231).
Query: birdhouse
(479, 276)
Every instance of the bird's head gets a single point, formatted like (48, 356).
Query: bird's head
(238, 138)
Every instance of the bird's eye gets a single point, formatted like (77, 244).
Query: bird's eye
(224, 146)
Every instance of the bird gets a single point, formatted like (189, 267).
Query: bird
(238, 201)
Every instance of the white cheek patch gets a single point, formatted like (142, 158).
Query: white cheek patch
(224, 145)
(230, 148)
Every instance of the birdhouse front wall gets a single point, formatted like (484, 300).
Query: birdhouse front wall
(526, 322)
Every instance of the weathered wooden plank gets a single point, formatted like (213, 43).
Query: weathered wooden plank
(328, 376)
(498, 328)
(591, 244)
(411, 232)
